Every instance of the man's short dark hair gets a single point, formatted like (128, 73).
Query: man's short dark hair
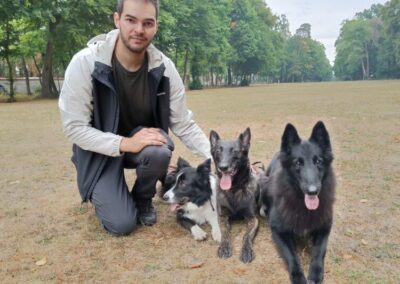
(156, 4)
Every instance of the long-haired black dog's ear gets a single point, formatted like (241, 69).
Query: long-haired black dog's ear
(214, 138)
(289, 138)
(205, 167)
(320, 136)
(182, 163)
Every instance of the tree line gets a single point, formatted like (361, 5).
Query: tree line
(368, 46)
(212, 42)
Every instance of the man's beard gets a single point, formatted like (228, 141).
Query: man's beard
(132, 49)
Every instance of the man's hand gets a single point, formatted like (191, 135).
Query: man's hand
(141, 139)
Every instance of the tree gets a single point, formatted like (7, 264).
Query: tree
(10, 11)
(355, 46)
(305, 58)
(389, 50)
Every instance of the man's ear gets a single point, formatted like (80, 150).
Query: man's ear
(117, 19)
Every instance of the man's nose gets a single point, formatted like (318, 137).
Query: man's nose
(139, 28)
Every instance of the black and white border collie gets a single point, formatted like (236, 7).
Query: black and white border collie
(192, 195)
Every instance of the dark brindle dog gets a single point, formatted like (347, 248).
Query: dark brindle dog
(238, 191)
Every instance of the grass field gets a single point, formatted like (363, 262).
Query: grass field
(46, 235)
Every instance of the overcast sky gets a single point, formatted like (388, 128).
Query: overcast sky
(324, 16)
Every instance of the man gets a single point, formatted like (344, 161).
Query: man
(119, 98)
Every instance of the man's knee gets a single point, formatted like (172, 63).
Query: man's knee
(120, 225)
(157, 156)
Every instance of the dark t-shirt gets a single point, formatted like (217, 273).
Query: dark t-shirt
(133, 95)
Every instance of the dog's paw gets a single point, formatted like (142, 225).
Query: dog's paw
(316, 275)
(225, 250)
(198, 233)
(216, 235)
(298, 277)
(247, 255)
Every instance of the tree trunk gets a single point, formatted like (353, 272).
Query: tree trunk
(26, 74)
(367, 61)
(38, 69)
(229, 75)
(9, 64)
(49, 89)
(185, 64)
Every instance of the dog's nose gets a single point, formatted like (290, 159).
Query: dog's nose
(223, 168)
(312, 189)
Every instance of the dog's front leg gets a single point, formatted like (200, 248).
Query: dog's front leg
(225, 248)
(215, 229)
(320, 243)
(247, 248)
(287, 249)
(197, 232)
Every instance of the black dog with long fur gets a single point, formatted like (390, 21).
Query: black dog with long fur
(297, 195)
(238, 191)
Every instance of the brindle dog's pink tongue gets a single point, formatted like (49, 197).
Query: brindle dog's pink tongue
(311, 202)
(226, 182)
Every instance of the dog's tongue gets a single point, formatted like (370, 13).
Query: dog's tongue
(226, 182)
(173, 207)
(311, 201)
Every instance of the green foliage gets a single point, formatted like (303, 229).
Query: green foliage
(369, 45)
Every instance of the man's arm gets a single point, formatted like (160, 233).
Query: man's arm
(76, 108)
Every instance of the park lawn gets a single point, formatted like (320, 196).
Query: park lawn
(46, 235)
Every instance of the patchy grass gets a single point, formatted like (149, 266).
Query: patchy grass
(41, 215)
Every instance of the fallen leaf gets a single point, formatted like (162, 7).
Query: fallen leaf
(364, 242)
(196, 265)
(347, 256)
(364, 200)
(41, 262)
(239, 271)
(14, 182)
(397, 139)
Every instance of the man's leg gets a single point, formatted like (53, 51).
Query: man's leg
(113, 202)
(151, 165)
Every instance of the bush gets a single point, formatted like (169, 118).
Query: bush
(245, 82)
(196, 85)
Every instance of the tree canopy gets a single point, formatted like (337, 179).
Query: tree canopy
(212, 42)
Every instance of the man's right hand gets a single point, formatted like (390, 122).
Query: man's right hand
(141, 139)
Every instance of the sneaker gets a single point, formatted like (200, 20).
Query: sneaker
(147, 214)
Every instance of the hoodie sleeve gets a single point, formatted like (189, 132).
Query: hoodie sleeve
(182, 123)
(76, 109)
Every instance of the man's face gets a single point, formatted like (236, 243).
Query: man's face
(137, 24)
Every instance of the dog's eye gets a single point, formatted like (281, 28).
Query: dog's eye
(318, 161)
(298, 163)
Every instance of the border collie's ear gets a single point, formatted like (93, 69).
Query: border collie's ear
(182, 163)
(214, 138)
(320, 136)
(289, 138)
(205, 167)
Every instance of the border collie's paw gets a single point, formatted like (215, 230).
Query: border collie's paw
(198, 233)
(216, 235)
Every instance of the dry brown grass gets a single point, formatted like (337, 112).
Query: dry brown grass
(41, 215)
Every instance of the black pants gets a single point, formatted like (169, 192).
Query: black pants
(115, 206)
